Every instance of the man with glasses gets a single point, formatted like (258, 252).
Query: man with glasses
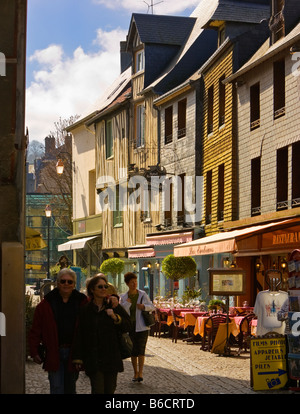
(54, 324)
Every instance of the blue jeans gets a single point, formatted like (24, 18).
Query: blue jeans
(63, 381)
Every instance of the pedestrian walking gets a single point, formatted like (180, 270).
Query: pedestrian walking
(134, 302)
(54, 324)
(97, 343)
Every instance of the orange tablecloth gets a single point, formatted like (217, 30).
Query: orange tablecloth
(177, 312)
(189, 318)
(199, 325)
(220, 339)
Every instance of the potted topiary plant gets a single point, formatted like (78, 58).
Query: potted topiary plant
(114, 266)
(176, 268)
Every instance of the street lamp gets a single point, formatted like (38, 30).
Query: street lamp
(48, 213)
(60, 166)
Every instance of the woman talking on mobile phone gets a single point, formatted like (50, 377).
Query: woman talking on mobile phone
(96, 348)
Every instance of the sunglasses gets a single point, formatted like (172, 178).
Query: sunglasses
(102, 286)
(63, 281)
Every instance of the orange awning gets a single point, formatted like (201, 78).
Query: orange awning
(231, 241)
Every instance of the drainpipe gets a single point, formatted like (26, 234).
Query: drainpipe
(158, 133)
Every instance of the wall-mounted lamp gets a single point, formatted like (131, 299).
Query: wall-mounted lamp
(157, 264)
(134, 266)
(233, 264)
(48, 213)
(226, 261)
(258, 265)
(294, 49)
(283, 265)
(149, 265)
(59, 166)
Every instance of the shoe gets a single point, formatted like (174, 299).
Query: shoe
(134, 379)
(139, 379)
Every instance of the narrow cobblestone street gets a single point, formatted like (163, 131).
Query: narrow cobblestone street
(168, 365)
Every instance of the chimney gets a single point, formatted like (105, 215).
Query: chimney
(49, 146)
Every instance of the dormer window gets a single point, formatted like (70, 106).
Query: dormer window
(139, 61)
(139, 54)
(221, 36)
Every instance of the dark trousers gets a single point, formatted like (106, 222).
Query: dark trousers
(103, 382)
(63, 381)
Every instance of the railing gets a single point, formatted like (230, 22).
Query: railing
(295, 202)
(168, 138)
(255, 211)
(255, 124)
(282, 205)
(181, 133)
(279, 112)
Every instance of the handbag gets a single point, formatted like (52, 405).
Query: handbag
(125, 345)
(149, 318)
(42, 352)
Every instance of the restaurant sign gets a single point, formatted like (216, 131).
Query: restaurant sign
(281, 238)
(268, 362)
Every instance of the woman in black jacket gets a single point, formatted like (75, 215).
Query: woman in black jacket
(96, 348)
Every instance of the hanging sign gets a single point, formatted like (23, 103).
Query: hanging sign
(268, 362)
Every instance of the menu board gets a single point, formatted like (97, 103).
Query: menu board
(227, 282)
(268, 363)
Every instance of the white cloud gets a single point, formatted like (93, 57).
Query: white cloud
(160, 6)
(65, 86)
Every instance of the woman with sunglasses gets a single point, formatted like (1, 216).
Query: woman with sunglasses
(54, 324)
(96, 347)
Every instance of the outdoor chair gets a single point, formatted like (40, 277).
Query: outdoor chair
(245, 332)
(160, 322)
(176, 328)
(211, 327)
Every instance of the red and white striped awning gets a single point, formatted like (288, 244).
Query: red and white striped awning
(140, 251)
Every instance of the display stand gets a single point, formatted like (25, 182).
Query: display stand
(293, 319)
(227, 282)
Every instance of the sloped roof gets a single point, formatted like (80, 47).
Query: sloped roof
(202, 14)
(236, 11)
(266, 51)
(158, 29)
(111, 93)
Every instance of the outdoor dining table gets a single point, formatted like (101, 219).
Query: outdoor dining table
(176, 312)
(223, 333)
(189, 318)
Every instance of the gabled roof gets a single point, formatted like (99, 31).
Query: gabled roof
(170, 30)
(240, 11)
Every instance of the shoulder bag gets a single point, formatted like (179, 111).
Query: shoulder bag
(149, 318)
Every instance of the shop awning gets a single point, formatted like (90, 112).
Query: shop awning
(240, 242)
(174, 238)
(140, 252)
(33, 239)
(74, 244)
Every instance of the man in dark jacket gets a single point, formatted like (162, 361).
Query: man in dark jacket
(54, 324)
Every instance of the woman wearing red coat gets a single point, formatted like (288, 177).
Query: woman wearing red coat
(54, 323)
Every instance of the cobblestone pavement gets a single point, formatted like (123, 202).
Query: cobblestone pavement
(167, 365)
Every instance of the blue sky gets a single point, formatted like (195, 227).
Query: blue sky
(73, 53)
